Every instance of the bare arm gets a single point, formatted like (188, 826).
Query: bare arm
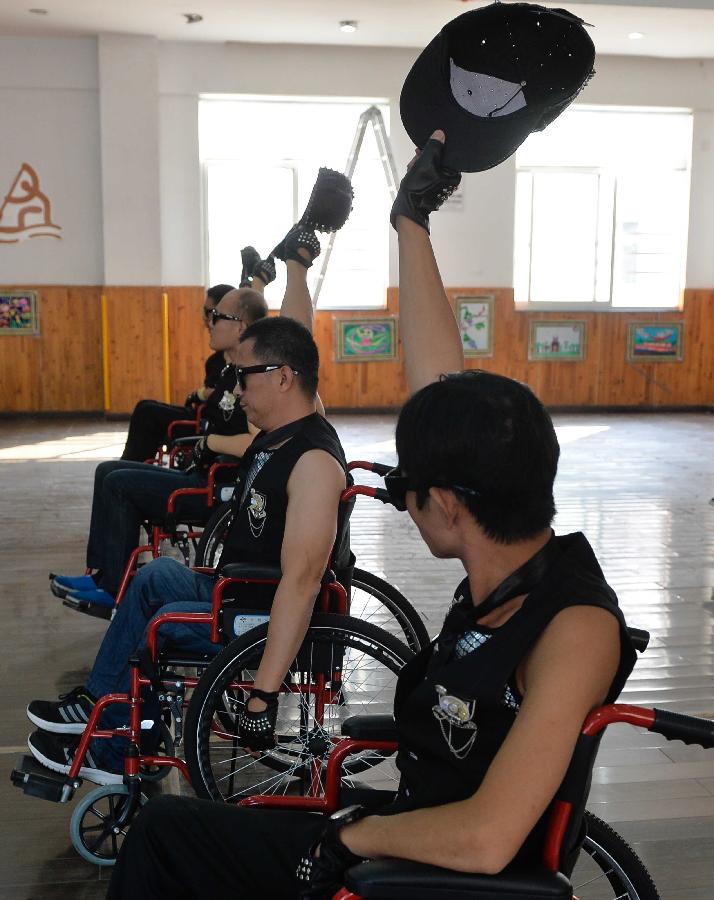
(232, 444)
(314, 489)
(297, 302)
(568, 673)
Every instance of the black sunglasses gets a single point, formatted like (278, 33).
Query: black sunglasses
(397, 485)
(242, 371)
(213, 316)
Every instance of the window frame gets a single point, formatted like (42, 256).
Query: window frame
(616, 176)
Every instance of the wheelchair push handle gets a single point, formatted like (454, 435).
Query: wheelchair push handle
(380, 469)
(688, 729)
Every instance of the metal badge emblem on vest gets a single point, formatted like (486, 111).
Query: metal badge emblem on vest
(452, 712)
(257, 512)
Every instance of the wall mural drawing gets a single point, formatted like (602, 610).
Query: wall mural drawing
(26, 211)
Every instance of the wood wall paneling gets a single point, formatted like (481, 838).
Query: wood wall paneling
(61, 368)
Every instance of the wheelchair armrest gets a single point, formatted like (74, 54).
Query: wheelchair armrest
(403, 880)
(370, 728)
(188, 441)
(250, 571)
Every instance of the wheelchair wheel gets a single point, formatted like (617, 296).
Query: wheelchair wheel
(210, 543)
(372, 599)
(92, 825)
(608, 868)
(345, 667)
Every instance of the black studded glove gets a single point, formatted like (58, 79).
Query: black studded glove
(256, 730)
(322, 876)
(193, 399)
(249, 258)
(425, 186)
(202, 456)
(265, 269)
(298, 237)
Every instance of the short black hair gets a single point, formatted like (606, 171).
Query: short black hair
(252, 305)
(489, 433)
(218, 292)
(280, 339)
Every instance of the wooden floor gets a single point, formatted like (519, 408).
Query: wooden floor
(638, 486)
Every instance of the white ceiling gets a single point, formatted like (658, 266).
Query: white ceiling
(672, 28)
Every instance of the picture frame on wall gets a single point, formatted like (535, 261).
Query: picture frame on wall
(655, 342)
(19, 313)
(475, 315)
(557, 341)
(366, 340)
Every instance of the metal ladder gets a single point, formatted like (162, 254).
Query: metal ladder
(371, 114)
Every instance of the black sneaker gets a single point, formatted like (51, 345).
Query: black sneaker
(68, 715)
(57, 752)
(250, 258)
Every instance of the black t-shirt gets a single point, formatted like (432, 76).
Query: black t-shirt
(260, 500)
(215, 364)
(457, 699)
(222, 413)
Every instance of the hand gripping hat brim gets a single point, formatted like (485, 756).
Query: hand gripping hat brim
(491, 77)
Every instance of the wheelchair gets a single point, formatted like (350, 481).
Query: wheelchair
(345, 666)
(582, 857)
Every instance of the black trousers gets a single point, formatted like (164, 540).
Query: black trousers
(148, 425)
(187, 849)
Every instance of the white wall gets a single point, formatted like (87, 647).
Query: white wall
(49, 118)
(125, 185)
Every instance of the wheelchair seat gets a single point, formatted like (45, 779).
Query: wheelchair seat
(401, 880)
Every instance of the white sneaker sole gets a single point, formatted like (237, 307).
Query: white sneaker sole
(56, 727)
(97, 776)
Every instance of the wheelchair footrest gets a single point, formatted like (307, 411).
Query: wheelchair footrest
(37, 781)
(89, 609)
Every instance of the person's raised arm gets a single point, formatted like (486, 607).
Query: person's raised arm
(430, 335)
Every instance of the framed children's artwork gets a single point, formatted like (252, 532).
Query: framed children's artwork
(475, 317)
(19, 313)
(655, 341)
(562, 341)
(366, 340)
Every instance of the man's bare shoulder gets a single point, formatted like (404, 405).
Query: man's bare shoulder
(317, 468)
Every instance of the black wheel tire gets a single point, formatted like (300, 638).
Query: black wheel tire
(393, 611)
(368, 660)
(211, 540)
(620, 872)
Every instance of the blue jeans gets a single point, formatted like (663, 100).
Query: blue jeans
(125, 494)
(162, 586)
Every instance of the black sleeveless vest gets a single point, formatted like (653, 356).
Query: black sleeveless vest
(260, 500)
(222, 411)
(457, 699)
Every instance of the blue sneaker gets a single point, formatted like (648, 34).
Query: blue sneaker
(61, 585)
(96, 597)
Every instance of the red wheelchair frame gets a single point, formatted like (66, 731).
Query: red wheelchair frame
(376, 877)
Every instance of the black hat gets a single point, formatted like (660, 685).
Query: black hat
(491, 77)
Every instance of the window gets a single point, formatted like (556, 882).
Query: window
(602, 204)
(260, 158)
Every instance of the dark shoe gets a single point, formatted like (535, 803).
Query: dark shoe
(68, 715)
(298, 237)
(425, 186)
(249, 258)
(57, 752)
(330, 202)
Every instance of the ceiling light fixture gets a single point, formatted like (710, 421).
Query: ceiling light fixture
(348, 26)
(38, 12)
(635, 35)
(192, 18)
